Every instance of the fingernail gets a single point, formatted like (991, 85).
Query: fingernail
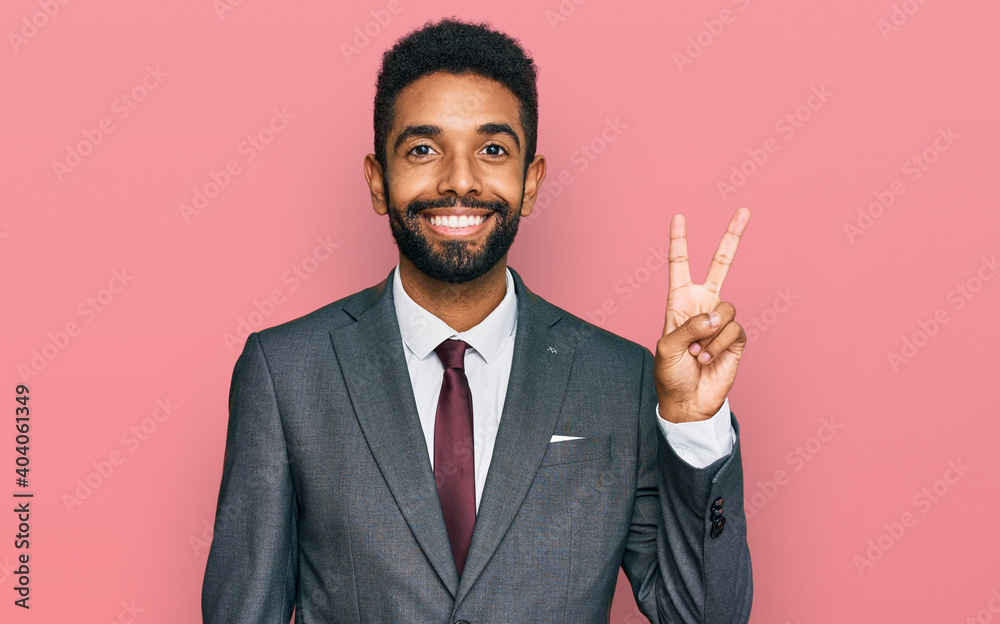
(713, 319)
(694, 348)
(704, 357)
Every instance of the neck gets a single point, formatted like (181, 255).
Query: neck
(461, 306)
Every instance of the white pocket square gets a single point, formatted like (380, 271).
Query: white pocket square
(562, 438)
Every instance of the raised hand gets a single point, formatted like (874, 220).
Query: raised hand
(701, 346)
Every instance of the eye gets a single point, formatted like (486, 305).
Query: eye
(495, 150)
(421, 150)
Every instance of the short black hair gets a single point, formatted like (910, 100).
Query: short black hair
(456, 47)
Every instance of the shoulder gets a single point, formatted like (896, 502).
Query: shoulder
(606, 369)
(590, 340)
(312, 331)
(594, 341)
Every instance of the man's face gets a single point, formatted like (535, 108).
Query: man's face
(455, 187)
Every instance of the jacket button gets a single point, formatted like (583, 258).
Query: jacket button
(717, 504)
(717, 527)
(461, 622)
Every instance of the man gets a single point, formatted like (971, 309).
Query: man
(446, 446)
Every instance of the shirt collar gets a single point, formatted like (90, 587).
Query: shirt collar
(422, 332)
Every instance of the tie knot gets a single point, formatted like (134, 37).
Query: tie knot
(452, 353)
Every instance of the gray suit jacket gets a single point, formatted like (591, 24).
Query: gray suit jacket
(328, 502)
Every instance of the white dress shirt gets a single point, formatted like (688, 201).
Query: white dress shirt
(487, 367)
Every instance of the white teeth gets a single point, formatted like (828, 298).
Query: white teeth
(457, 222)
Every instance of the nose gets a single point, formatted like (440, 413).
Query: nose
(460, 176)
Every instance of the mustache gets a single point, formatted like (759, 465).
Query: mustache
(450, 201)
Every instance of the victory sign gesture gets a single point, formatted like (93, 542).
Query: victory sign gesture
(701, 345)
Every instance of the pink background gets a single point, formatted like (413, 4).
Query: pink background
(843, 424)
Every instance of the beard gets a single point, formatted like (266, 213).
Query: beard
(456, 262)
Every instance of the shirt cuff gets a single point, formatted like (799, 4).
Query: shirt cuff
(701, 442)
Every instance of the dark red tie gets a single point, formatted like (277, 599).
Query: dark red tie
(454, 469)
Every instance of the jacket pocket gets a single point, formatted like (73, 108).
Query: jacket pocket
(572, 451)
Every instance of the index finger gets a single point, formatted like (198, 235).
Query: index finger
(677, 254)
(726, 252)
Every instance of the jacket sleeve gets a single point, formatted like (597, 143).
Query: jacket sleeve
(680, 569)
(253, 562)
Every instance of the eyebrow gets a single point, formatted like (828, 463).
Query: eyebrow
(430, 130)
(500, 128)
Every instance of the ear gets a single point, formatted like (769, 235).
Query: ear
(376, 182)
(532, 182)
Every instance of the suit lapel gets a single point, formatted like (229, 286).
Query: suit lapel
(543, 356)
(374, 369)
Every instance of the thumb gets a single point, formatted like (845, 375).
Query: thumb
(698, 327)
